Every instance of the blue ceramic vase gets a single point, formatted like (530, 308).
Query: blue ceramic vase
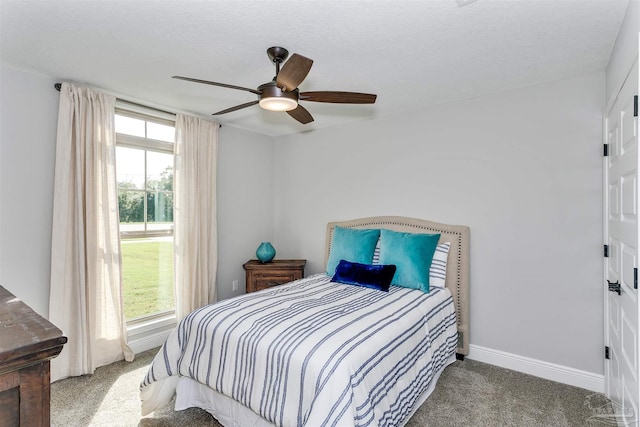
(265, 252)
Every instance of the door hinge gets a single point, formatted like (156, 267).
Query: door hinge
(635, 278)
(605, 151)
(614, 287)
(606, 251)
(635, 106)
(606, 352)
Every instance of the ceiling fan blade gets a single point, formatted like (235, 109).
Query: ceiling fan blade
(293, 72)
(301, 114)
(207, 82)
(237, 107)
(339, 97)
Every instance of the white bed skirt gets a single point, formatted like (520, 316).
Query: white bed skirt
(231, 413)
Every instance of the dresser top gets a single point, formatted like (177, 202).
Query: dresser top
(23, 331)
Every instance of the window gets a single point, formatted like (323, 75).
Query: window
(144, 169)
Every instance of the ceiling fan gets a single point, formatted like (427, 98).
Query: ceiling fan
(282, 94)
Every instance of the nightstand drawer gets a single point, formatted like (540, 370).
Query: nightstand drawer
(264, 276)
(264, 281)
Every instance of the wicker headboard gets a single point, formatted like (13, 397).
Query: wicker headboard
(457, 266)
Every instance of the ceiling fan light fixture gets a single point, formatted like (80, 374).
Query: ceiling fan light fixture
(277, 103)
(273, 98)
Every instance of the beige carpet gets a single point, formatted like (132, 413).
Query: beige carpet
(469, 393)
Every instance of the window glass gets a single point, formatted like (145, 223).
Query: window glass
(144, 172)
(131, 208)
(160, 210)
(147, 270)
(160, 171)
(130, 126)
(130, 167)
(160, 132)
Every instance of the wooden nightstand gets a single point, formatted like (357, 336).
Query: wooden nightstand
(263, 276)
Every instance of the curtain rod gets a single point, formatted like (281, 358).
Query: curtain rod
(58, 86)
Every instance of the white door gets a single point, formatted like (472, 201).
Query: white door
(621, 236)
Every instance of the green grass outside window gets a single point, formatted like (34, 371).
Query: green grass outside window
(147, 267)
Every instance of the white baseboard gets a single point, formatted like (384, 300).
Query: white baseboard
(538, 368)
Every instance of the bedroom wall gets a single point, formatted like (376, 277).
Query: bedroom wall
(245, 203)
(28, 122)
(625, 51)
(521, 168)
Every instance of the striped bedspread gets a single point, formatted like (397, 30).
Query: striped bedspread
(312, 352)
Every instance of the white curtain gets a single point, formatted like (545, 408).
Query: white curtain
(86, 283)
(195, 224)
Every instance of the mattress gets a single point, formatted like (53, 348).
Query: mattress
(309, 353)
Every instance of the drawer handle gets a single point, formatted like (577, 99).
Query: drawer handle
(271, 284)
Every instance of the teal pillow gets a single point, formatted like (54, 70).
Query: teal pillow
(352, 245)
(412, 254)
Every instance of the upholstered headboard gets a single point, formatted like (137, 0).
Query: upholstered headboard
(457, 265)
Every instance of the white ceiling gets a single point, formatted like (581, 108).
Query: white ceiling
(413, 54)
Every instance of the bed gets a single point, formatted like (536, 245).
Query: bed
(314, 352)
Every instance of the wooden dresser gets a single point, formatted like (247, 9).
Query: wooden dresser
(266, 275)
(27, 343)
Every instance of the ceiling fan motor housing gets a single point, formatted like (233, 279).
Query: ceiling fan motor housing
(274, 99)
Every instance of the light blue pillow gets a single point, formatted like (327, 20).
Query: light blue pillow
(352, 245)
(412, 254)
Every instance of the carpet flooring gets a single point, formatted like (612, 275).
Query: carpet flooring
(469, 393)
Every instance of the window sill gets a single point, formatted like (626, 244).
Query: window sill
(145, 334)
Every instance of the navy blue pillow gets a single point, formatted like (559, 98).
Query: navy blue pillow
(376, 276)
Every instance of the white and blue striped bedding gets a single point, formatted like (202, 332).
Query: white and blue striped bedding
(313, 352)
